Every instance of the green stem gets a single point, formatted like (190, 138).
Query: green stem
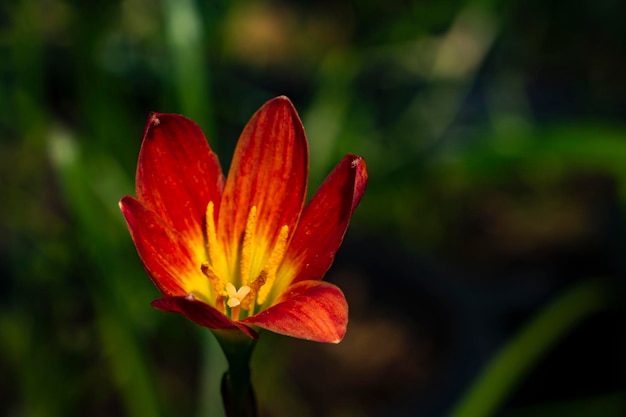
(237, 392)
(513, 362)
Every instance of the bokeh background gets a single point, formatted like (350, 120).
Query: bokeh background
(484, 267)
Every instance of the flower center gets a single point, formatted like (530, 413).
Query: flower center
(235, 296)
(255, 288)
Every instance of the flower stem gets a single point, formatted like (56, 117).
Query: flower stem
(517, 357)
(237, 392)
(238, 396)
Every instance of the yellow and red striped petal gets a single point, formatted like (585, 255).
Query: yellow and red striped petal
(201, 313)
(324, 222)
(167, 257)
(269, 171)
(178, 173)
(311, 310)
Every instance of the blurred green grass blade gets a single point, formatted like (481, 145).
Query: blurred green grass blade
(127, 362)
(538, 157)
(119, 342)
(608, 405)
(326, 117)
(517, 357)
(36, 376)
(213, 367)
(184, 32)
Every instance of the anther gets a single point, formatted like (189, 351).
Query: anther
(273, 263)
(246, 246)
(255, 286)
(217, 284)
(211, 235)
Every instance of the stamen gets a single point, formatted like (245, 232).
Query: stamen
(246, 246)
(248, 302)
(211, 234)
(217, 284)
(273, 263)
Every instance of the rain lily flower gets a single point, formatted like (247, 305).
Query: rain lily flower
(246, 252)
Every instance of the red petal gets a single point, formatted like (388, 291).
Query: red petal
(201, 313)
(269, 171)
(178, 173)
(165, 255)
(312, 310)
(324, 222)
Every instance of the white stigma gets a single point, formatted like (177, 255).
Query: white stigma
(236, 296)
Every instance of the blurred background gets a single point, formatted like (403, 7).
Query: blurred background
(484, 267)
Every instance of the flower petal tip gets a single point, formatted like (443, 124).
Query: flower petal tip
(123, 203)
(360, 180)
(356, 160)
(154, 119)
(275, 104)
(282, 98)
(358, 163)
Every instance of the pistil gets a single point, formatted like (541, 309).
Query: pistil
(235, 297)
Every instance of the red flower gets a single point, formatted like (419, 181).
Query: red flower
(245, 253)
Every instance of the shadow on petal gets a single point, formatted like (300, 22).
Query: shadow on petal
(201, 313)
